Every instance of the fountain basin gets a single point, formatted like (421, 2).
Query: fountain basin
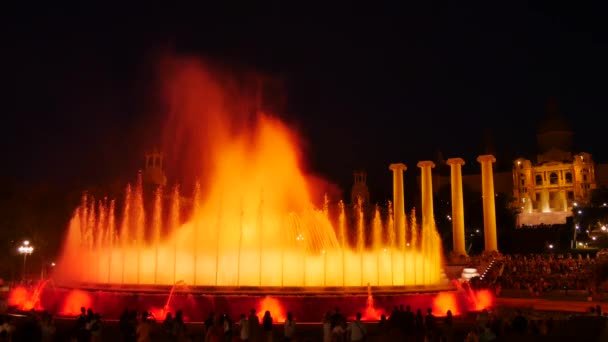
(261, 290)
(307, 304)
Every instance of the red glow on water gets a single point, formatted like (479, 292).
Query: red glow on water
(21, 298)
(371, 313)
(274, 306)
(159, 313)
(482, 299)
(445, 301)
(477, 299)
(17, 296)
(74, 301)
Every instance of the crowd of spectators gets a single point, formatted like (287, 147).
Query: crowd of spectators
(514, 324)
(539, 274)
(33, 326)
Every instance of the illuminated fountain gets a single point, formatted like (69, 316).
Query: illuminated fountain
(251, 226)
(236, 247)
(251, 223)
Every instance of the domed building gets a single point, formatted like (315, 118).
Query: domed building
(554, 137)
(545, 191)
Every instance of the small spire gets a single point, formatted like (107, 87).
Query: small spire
(440, 160)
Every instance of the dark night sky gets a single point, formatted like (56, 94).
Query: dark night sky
(366, 86)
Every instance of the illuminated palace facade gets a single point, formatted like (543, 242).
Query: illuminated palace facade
(545, 193)
(545, 190)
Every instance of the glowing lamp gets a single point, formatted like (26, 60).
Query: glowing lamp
(25, 249)
(468, 273)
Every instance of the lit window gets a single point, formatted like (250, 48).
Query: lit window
(553, 178)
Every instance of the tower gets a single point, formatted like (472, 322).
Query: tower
(153, 173)
(554, 137)
(359, 189)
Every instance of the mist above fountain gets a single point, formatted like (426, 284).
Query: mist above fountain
(251, 223)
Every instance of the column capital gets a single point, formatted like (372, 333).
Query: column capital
(426, 163)
(486, 158)
(397, 166)
(455, 161)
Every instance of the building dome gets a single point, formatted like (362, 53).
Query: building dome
(553, 121)
(554, 132)
(554, 124)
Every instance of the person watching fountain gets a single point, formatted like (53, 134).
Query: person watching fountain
(47, 327)
(267, 326)
(244, 328)
(143, 328)
(168, 323)
(338, 333)
(289, 328)
(356, 331)
(210, 321)
(81, 322)
(327, 327)
(128, 325)
(336, 317)
(447, 331)
(215, 333)
(254, 325)
(430, 323)
(179, 328)
(419, 325)
(228, 327)
(7, 328)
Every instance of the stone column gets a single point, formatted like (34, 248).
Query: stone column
(398, 196)
(426, 182)
(528, 207)
(544, 201)
(489, 206)
(457, 206)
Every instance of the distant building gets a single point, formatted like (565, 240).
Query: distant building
(359, 189)
(153, 173)
(543, 191)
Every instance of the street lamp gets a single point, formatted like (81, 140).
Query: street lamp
(25, 249)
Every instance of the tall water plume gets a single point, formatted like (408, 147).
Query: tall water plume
(251, 220)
